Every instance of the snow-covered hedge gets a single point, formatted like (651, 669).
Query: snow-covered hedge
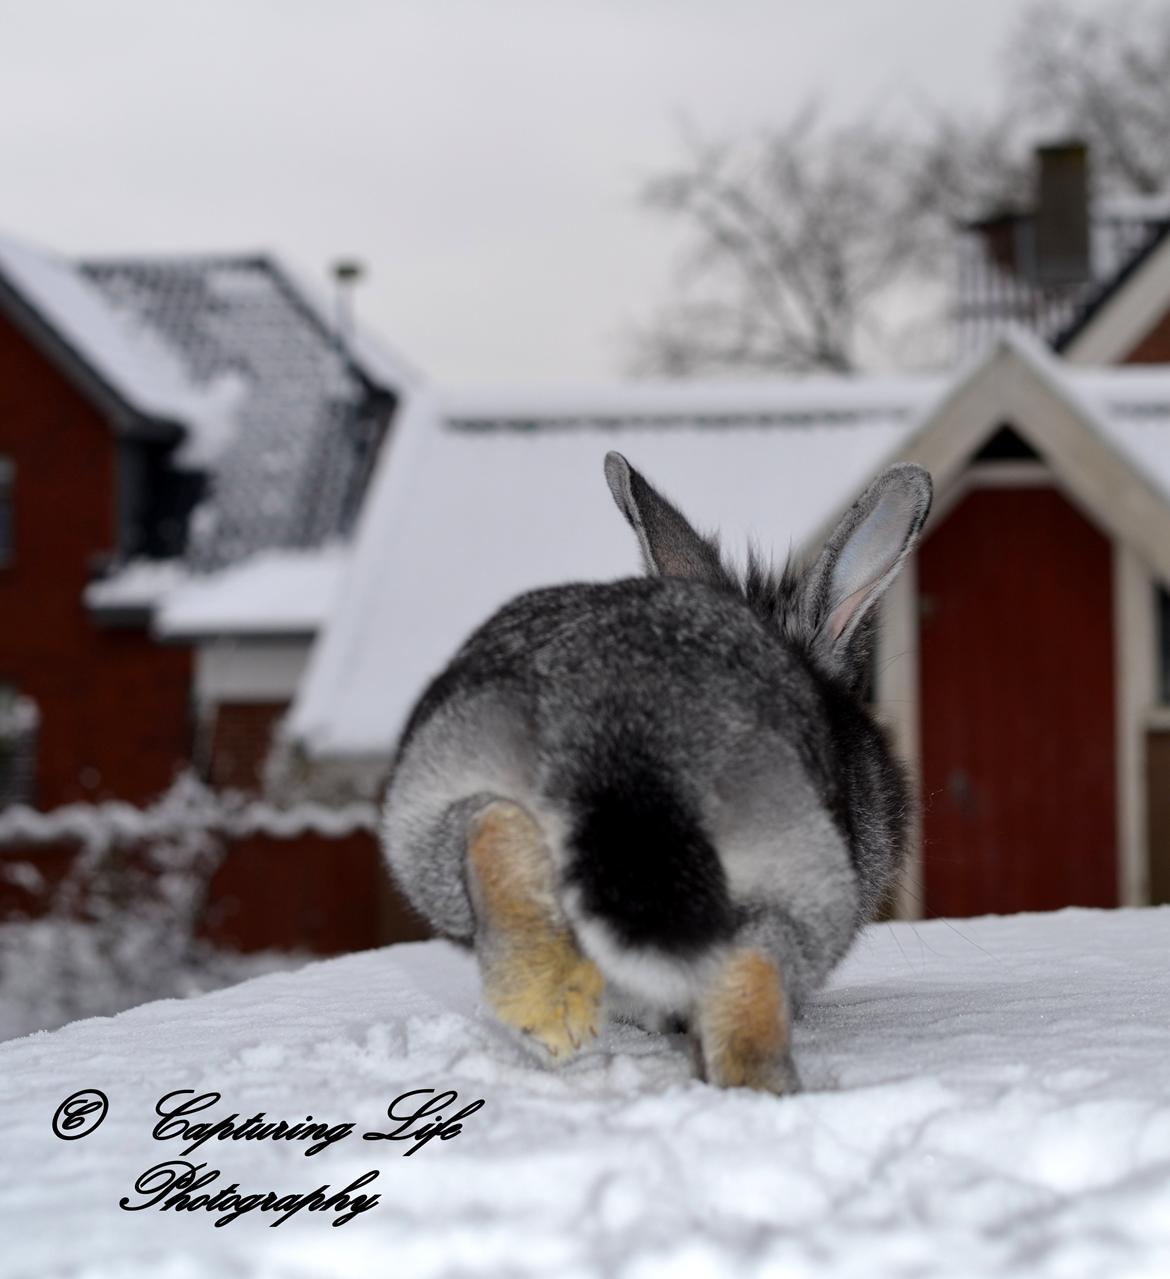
(188, 805)
(123, 923)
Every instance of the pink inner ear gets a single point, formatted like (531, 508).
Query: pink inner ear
(841, 616)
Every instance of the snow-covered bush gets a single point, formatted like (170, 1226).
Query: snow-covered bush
(122, 925)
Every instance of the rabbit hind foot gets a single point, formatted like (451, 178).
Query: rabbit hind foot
(534, 975)
(743, 1026)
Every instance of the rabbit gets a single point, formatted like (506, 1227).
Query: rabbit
(664, 793)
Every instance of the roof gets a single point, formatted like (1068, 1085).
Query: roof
(243, 360)
(137, 368)
(284, 465)
(1127, 235)
(1130, 407)
(132, 593)
(1109, 292)
(486, 496)
(271, 593)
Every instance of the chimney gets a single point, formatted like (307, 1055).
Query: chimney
(346, 273)
(1062, 214)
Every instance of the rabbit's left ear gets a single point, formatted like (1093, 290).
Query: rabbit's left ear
(670, 546)
(864, 554)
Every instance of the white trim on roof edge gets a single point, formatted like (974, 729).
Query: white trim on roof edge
(1020, 383)
(1128, 316)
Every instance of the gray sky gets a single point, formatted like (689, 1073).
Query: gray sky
(481, 156)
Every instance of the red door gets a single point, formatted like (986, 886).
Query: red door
(1019, 803)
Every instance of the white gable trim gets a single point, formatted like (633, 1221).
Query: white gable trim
(1020, 385)
(896, 676)
(1125, 319)
(1135, 663)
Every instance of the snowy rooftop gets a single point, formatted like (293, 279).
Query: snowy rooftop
(1127, 407)
(269, 593)
(136, 588)
(241, 356)
(142, 369)
(985, 1098)
(284, 465)
(486, 495)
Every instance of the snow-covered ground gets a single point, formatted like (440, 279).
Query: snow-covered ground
(990, 1097)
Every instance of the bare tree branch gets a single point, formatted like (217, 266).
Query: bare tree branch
(1104, 77)
(793, 235)
(796, 236)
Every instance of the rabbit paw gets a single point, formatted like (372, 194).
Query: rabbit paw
(743, 1027)
(551, 993)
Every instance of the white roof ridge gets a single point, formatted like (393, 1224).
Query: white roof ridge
(730, 398)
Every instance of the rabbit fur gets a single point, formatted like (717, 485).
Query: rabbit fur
(702, 780)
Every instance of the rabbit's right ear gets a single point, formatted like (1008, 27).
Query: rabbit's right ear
(670, 546)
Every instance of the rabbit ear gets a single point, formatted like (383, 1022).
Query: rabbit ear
(670, 546)
(863, 555)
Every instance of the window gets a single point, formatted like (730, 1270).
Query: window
(155, 500)
(7, 523)
(19, 720)
(1164, 645)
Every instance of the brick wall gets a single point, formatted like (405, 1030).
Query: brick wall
(114, 705)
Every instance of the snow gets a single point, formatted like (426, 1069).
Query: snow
(137, 584)
(1128, 408)
(131, 359)
(124, 925)
(273, 592)
(36, 954)
(219, 425)
(984, 1098)
(1134, 206)
(189, 805)
(19, 714)
(482, 496)
(1131, 409)
(461, 516)
(811, 401)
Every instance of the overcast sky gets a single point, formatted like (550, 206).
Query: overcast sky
(482, 157)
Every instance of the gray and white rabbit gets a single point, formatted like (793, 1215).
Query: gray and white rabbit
(664, 792)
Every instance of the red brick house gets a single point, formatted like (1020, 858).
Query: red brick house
(158, 418)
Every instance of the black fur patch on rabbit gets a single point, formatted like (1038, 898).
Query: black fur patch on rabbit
(643, 862)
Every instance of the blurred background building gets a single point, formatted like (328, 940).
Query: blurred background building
(238, 530)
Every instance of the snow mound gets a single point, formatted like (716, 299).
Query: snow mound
(984, 1098)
